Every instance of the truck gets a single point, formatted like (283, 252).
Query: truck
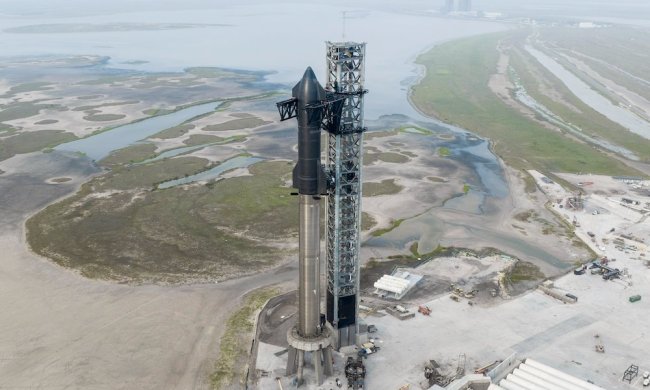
(580, 271)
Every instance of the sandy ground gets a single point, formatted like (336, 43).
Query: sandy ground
(489, 330)
(59, 330)
(501, 85)
(536, 325)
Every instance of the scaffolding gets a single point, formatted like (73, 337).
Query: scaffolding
(631, 373)
(345, 76)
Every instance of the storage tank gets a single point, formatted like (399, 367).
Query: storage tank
(561, 384)
(557, 373)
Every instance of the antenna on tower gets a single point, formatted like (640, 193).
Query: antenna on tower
(343, 30)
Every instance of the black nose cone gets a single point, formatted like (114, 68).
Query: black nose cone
(308, 90)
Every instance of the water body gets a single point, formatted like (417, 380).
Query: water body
(523, 97)
(592, 98)
(101, 145)
(278, 37)
(233, 163)
(186, 149)
(262, 31)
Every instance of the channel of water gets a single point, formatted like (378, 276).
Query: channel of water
(101, 145)
(213, 173)
(592, 98)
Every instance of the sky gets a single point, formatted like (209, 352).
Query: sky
(639, 9)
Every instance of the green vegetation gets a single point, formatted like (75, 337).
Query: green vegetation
(525, 216)
(535, 78)
(27, 87)
(173, 132)
(436, 179)
(61, 180)
(128, 231)
(235, 342)
(530, 186)
(104, 117)
(157, 111)
(6, 129)
(208, 72)
(130, 154)
(394, 225)
(237, 124)
(466, 188)
(23, 110)
(106, 80)
(96, 106)
(455, 89)
(439, 251)
(617, 53)
(444, 151)
(367, 221)
(202, 139)
(415, 130)
(32, 141)
(524, 271)
(46, 122)
(385, 187)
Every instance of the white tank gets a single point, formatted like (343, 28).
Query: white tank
(557, 373)
(560, 383)
(537, 380)
(524, 383)
(507, 385)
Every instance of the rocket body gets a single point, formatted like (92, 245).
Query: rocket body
(309, 180)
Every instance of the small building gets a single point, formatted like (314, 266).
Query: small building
(396, 285)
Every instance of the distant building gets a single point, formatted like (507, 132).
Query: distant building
(449, 6)
(464, 5)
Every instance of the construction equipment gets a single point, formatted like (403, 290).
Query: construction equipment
(580, 271)
(432, 374)
(486, 368)
(471, 294)
(355, 372)
(425, 310)
(367, 349)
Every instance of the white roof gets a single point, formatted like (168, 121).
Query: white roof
(533, 375)
(392, 284)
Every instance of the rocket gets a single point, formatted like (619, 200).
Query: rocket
(310, 180)
(315, 109)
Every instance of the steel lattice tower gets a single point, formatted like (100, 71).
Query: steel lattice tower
(345, 76)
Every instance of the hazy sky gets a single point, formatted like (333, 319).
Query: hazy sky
(601, 8)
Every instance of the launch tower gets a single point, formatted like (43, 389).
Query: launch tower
(339, 111)
(345, 76)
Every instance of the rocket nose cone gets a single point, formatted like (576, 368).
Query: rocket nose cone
(309, 74)
(308, 88)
